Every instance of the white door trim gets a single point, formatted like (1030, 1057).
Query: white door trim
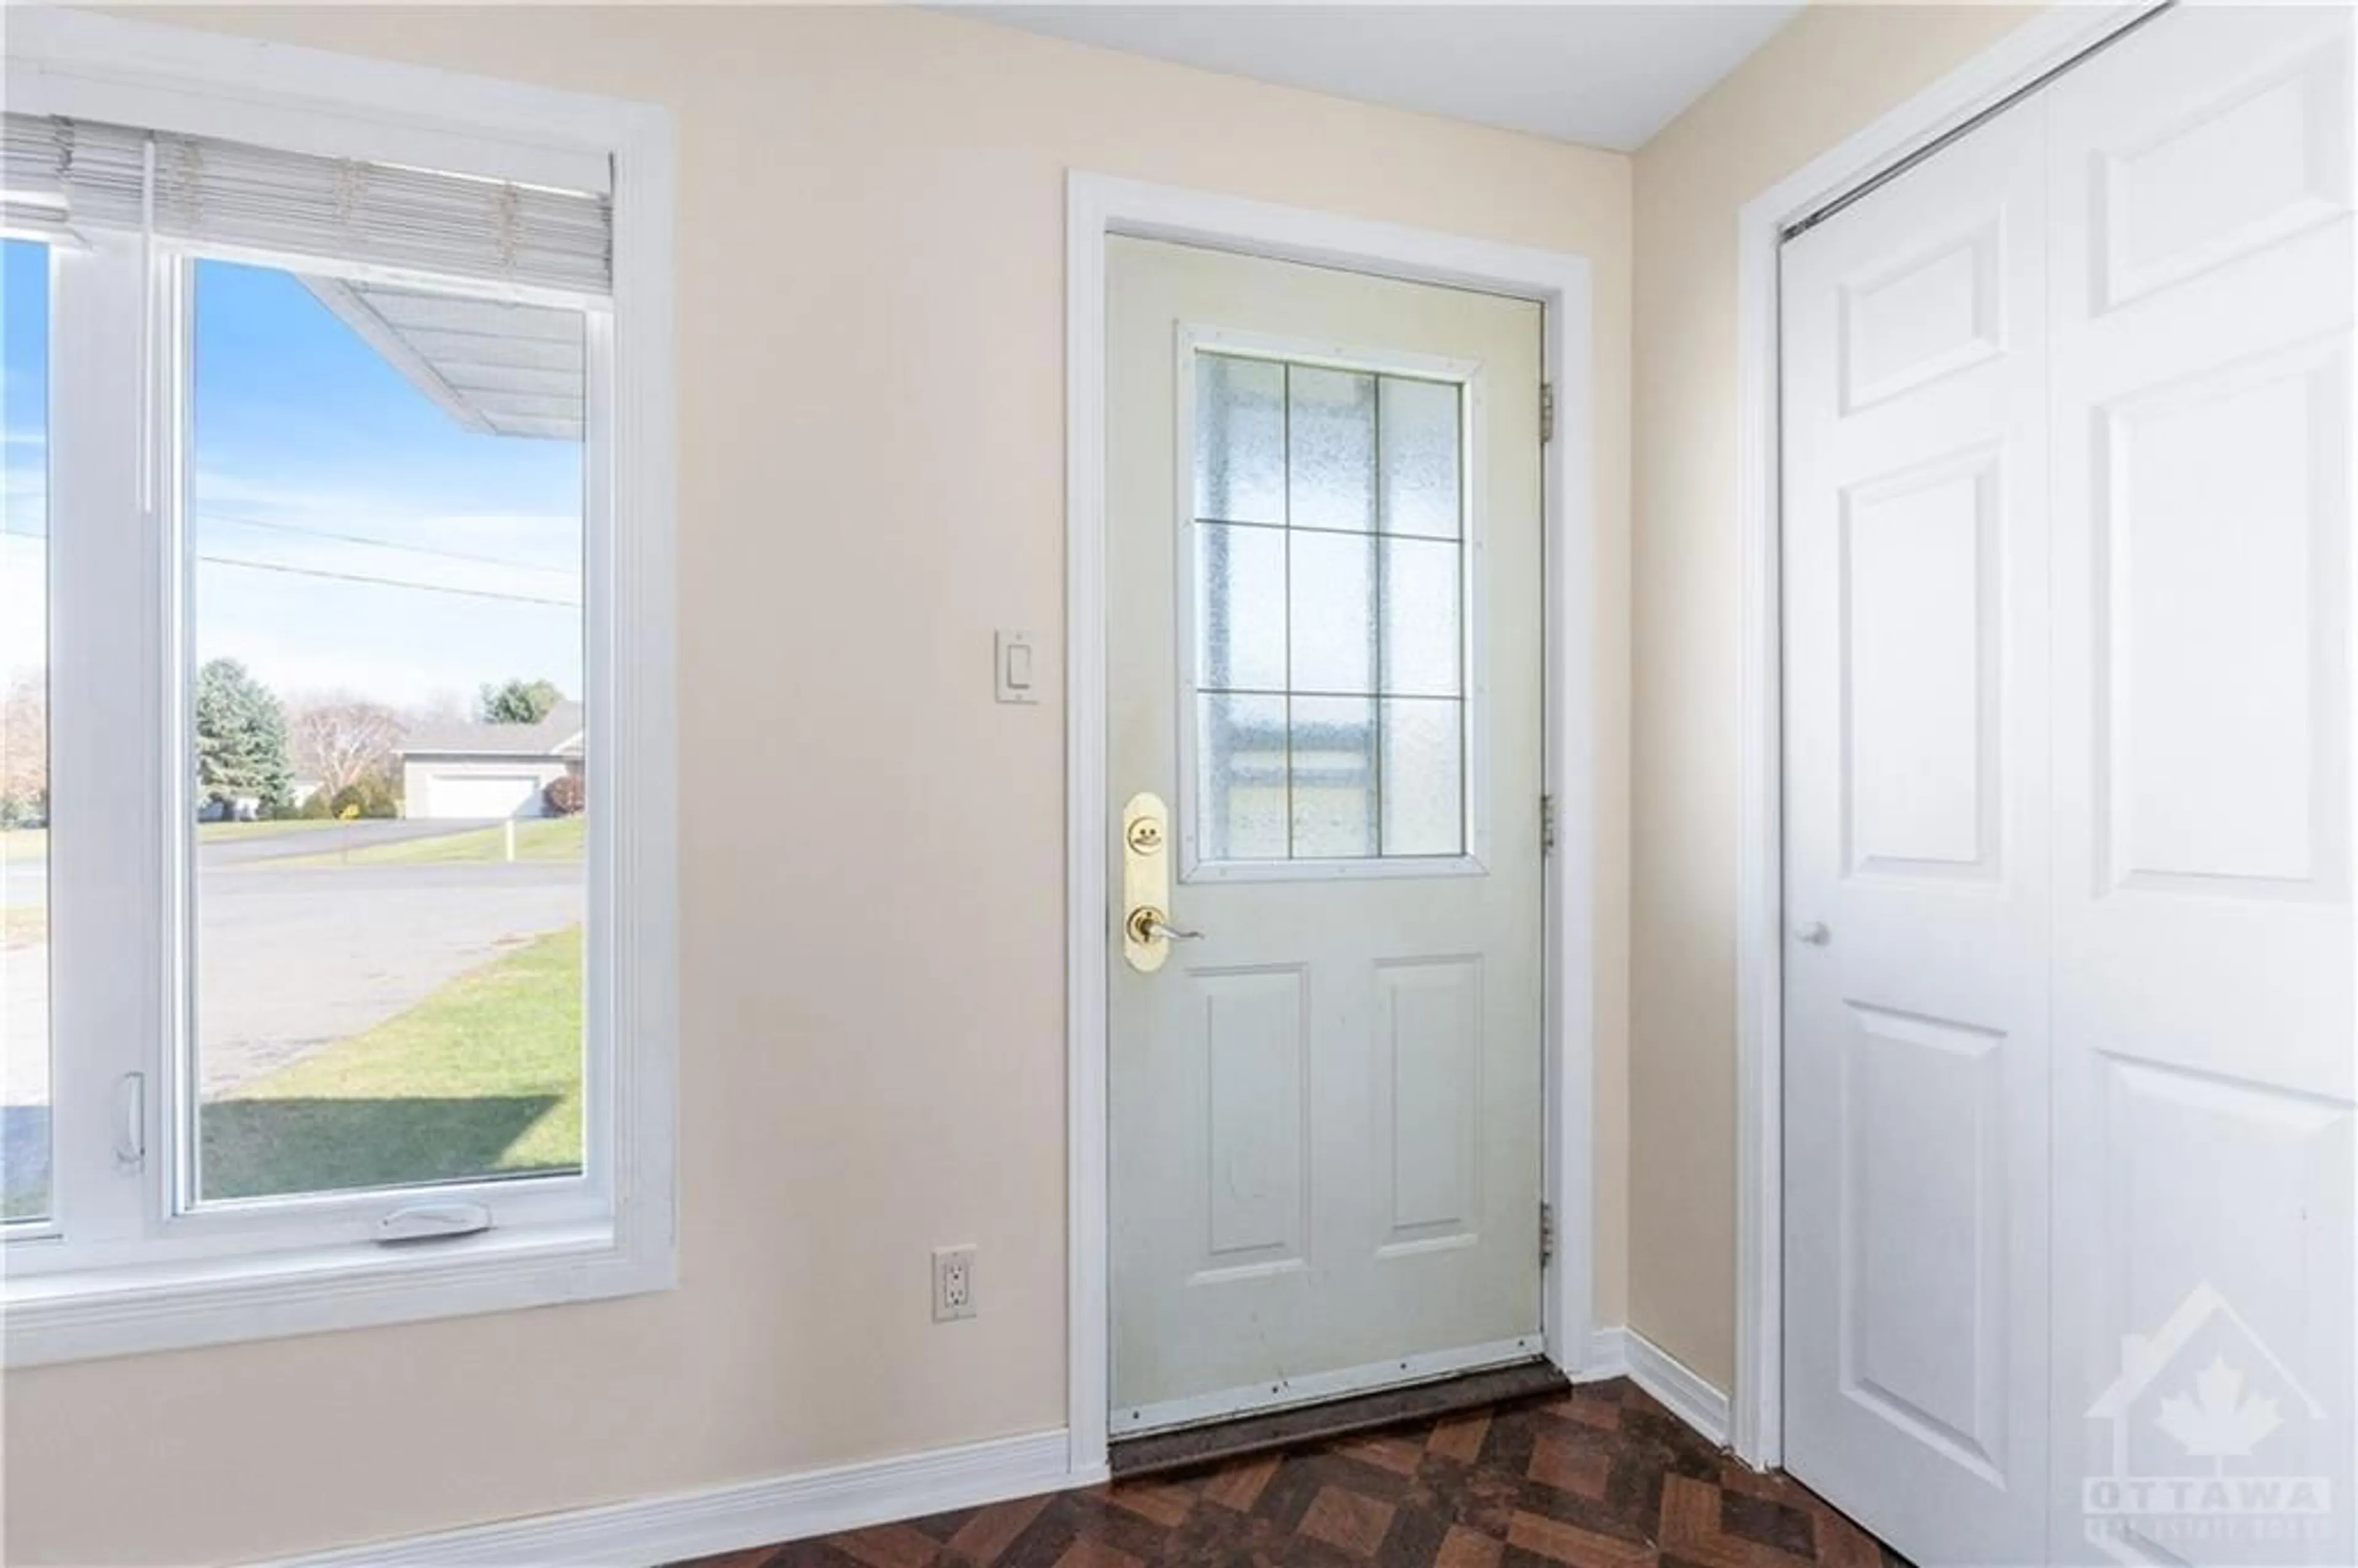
(2019, 58)
(1098, 206)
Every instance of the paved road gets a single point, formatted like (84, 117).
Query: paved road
(25, 879)
(292, 958)
(329, 841)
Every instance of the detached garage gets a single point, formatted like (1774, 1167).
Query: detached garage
(489, 771)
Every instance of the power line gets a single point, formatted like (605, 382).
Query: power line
(349, 539)
(290, 570)
(235, 520)
(386, 581)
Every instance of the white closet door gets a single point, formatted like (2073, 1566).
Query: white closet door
(1916, 1045)
(2200, 182)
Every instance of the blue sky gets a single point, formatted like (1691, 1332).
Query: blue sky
(313, 456)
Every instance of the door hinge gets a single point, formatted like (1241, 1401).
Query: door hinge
(1547, 1232)
(1547, 824)
(1547, 412)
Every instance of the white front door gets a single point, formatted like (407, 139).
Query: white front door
(1325, 582)
(2072, 988)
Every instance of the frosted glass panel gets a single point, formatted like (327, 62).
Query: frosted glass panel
(1240, 752)
(1419, 458)
(1420, 636)
(1329, 669)
(1239, 439)
(1334, 774)
(1423, 776)
(1240, 607)
(1333, 612)
(1331, 449)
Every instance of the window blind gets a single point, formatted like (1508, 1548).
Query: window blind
(61, 175)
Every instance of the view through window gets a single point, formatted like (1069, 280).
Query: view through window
(24, 1160)
(385, 509)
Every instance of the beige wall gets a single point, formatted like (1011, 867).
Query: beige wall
(872, 458)
(1826, 75)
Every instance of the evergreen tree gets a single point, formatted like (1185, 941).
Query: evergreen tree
(241, 739)
(518, 701)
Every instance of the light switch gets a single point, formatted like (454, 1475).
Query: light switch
(1018, 667)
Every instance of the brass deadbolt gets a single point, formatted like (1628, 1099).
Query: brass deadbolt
(1145, 836)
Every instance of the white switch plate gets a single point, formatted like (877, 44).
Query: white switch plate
(1016, 661)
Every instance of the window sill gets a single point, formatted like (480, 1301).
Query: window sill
(130, 1311)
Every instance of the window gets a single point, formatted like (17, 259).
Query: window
(358, 600)
(24, 735)
(384, 570)
(1328, 659)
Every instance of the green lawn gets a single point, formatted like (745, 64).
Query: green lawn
(536, 839)
(483, 1077)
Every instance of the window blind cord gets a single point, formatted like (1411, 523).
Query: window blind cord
(148, 389)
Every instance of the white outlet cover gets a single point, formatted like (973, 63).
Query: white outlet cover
(953, 1283)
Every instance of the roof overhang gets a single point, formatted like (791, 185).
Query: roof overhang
(497, 366)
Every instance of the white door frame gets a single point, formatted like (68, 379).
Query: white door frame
(1097, 207)
(2017, 60)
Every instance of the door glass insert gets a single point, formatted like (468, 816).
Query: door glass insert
(1329, 665)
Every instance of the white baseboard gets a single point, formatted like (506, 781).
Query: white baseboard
(1608, 1356)
(1625, 1352)
(848, 1496)
(749, 1513)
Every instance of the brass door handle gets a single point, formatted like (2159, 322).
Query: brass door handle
(1146, 925)
(1146, 929)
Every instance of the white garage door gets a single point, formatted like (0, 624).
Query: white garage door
(486, 795)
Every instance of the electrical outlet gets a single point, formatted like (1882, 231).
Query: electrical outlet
(953, 1283)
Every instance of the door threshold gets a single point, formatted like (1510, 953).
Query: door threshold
(1129, 1457)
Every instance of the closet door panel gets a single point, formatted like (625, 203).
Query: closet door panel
(2201, 305)
(1916, 862)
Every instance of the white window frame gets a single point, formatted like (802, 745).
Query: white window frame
(166, 1274)
(1474, 678)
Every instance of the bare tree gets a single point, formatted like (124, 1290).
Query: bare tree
(443, 708)
(24, 739)
(339, 738)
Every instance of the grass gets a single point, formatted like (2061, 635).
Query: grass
(483, 1077)
(536, 839)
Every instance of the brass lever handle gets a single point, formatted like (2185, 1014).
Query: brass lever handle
(1147, 924)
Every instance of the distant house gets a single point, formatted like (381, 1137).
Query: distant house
(454, 771)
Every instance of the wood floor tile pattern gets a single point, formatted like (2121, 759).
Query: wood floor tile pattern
(1598, 1477)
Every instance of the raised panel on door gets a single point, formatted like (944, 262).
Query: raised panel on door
(1253, 1058)
(1924, 1210)
(1922, 699)
(1428, 1095)
(1914, 531)
(2201, 200)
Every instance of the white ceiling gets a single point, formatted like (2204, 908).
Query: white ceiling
(1606, 76)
